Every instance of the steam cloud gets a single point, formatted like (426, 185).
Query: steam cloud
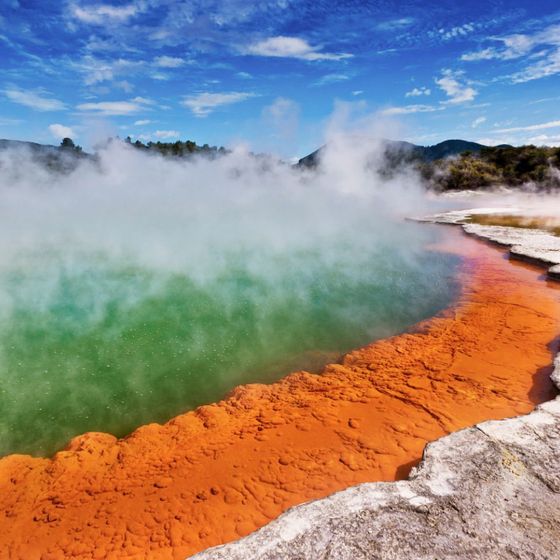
(135, 275)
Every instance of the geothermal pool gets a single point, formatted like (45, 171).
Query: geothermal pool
(89, 343)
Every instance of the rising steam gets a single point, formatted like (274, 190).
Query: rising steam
(135, 287)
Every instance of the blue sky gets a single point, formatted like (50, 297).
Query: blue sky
(271, 73)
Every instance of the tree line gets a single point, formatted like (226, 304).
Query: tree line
(178, 148)
(530, 166)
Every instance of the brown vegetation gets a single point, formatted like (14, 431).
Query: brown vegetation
(549, 224)
(525, 166)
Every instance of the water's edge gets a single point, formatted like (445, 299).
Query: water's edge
(491, 489)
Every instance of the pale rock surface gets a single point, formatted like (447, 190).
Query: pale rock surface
(531, 244)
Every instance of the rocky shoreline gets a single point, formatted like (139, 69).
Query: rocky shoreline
(489, 491)
(534, 245)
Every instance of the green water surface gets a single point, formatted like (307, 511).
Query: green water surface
(92, 343)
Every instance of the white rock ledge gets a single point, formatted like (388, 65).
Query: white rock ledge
(528, 244)
(489, 492)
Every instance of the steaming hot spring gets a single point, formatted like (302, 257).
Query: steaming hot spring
(188, 348)
(134, 289)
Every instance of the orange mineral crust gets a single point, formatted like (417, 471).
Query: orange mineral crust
(215, 474)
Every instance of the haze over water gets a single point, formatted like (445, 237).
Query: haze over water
(136, 288)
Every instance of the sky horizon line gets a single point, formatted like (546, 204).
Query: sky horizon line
(276, 75)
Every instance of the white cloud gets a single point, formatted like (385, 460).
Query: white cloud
(544, 140)
(142, 122)
(96, 70)
(358, 92)
(59, 131)
(514, 46)
(104, 13)
(35, 99)
(485, 54)
(291, 47)
(168, 61)
(549, 66)
(395, 24)
(165, 134)
(498, 141)
(143, 100)
(160, 76)
(204, 103)
(416, 92)
(407, 109)
(112, 108)
(543, 46)
(477, 122)
(458, 31)
(541, 126)
(451, 84)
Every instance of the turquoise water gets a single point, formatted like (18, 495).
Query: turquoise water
(89, 342)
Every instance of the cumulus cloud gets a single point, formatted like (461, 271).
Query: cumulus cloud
(169, 61)
(417, 92)
(203, 104)
(291, 47)
(477, 122)
(35, 99)
(59, 131)
(112, 108)
(451, 84)
(142, 122)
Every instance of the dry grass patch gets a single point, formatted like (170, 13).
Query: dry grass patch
(550, 224)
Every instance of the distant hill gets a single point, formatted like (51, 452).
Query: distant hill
(56, 158)
(442, 150)
(462, 165)
(449, 165)
(33, 146)
(448, 148)
(64, 158)
(312, 159)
